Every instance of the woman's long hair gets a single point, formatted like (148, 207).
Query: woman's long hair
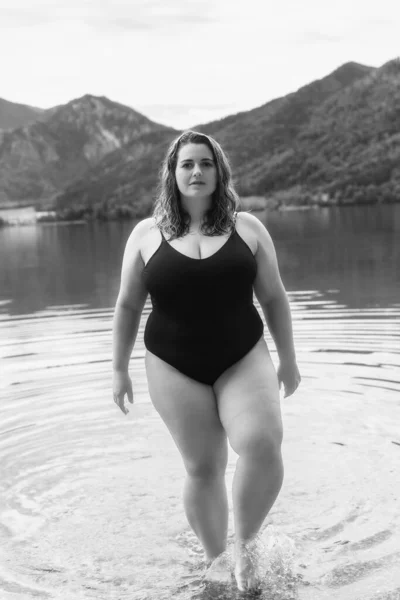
(168, 211)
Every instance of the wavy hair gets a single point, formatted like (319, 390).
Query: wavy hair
(168, 211)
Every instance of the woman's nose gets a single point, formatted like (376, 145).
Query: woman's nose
(196, 170)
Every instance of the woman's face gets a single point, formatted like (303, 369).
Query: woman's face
(196, 171)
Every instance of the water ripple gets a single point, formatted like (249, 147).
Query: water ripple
(90, 500)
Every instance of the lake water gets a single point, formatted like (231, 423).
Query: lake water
(90, 502)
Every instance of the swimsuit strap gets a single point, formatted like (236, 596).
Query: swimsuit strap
(234, 222)
(162, 235)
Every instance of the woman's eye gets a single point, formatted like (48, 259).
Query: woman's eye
(207, 164)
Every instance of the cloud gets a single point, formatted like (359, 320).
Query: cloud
(160, 22)
(317, 37)
(185, 62)
(140, 15)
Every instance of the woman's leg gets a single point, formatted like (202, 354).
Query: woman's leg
(249, 407)
(189, 410)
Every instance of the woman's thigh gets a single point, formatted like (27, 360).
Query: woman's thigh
(189, 410)
(248, 400)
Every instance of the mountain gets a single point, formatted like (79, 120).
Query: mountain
(347, 149)
(272, 148)
(272, 127)
(122, 181)
(18, 115)
(335, 140)
(39, 160)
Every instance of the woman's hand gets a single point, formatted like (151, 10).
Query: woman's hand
(122, 385)
(289, 376)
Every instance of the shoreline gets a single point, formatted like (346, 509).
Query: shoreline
(245, 206)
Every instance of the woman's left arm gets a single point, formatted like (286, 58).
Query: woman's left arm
(271, 295)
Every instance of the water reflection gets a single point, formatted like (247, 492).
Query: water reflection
(354, 250)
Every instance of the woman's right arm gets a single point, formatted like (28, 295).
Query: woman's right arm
(128, 310)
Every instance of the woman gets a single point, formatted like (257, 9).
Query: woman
(209, 371)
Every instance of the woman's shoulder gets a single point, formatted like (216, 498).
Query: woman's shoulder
(255, 230)
(145, 223)
(246, 230)
(140, 232)
(142, 236)
(247, 217)
(250, 221)
(145, 226)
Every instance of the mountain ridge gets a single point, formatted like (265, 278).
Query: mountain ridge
(310, 144)
(14, 114)
(258, 143)
(39, 159)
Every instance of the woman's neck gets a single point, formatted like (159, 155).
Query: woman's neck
(196, 210)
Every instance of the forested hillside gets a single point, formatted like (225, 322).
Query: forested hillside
(40, 160)
(333, 141)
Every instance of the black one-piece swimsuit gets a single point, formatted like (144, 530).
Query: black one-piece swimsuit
(203, 318)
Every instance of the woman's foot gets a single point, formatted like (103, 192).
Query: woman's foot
(219, 569)
(246, 566)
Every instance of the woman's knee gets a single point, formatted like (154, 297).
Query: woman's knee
(207, 467)
(259, 443)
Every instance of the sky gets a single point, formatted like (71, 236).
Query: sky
(185, 62)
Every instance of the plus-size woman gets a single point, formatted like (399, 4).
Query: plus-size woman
(209, 371)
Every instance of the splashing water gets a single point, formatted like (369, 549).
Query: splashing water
(275, 553)
(272, 553)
